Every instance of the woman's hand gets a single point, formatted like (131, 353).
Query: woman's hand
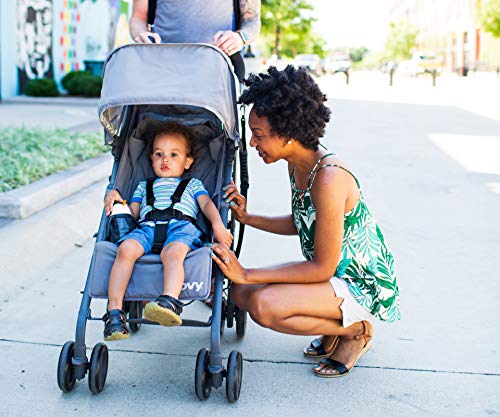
(222, 235)
(230, 42)
(110, 199)
(144, 37)
(228, 263)
(237, 202)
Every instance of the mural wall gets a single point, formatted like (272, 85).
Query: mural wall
(58, 36)
(34, 40)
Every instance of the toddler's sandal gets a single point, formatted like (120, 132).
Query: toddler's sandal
(115, 325)
(165, 310)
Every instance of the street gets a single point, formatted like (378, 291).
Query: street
(428, 163)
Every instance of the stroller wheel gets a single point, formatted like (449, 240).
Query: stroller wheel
(241, 321)
(234, 376)
(202, 381)
(135, 312)
(65, 370)
(98, 369)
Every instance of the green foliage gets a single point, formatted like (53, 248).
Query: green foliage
(41, 87)
(401, 40)
(27, 155)
(82, 83)
(287, 28)
(357, 54)
(490, 17)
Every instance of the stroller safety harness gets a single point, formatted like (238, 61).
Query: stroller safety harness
(166, 215)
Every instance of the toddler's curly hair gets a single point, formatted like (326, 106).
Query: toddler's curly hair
(292, 103)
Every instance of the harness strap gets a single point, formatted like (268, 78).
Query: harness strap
(165, 215)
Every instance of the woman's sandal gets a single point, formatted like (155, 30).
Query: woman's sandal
(115, 325)
(336, 369)
(165, 310)
(317, 350)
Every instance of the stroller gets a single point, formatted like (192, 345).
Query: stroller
(145, 85)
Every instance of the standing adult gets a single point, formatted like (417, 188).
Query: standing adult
(347, 280)
(198, 21)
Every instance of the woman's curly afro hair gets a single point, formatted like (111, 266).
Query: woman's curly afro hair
(292, 103)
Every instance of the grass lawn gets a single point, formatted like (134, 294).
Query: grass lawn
(27, 155)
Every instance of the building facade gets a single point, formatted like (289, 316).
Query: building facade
(49, 38)
(452, 29)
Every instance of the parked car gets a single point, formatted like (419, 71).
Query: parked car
(337, 63)
(424, 62)
(311, 62)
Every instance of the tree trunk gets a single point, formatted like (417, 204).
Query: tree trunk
(277, 41)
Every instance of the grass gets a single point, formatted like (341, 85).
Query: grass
(27, 155)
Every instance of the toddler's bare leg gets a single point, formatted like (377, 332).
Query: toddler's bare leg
(128, 253)
(172, 257)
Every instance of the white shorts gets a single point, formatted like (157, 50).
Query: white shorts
(352, 311)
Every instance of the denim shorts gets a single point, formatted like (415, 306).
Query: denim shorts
(178, 231)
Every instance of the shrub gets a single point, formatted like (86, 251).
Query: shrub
(82, 83)
(41, 87)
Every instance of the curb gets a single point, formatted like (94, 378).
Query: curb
(57, 101)
(24, 201)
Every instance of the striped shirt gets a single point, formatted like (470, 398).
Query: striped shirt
(163, 189)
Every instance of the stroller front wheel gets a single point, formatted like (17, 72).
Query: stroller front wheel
(202, 382)
(234, 376)
(98, 369)
(65, 369)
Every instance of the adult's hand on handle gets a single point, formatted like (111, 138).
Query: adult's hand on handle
(110, 199)
(230, 42)
(237, 202)
(144, 37)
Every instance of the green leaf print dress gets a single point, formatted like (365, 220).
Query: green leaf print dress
(365, 263)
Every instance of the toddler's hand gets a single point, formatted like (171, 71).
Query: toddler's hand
(110, 199)
(222, 235)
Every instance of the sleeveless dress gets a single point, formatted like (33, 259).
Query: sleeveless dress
(365, 263)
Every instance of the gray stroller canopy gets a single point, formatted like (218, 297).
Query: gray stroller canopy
(177, 74)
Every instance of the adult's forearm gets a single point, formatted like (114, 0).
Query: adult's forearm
(280, 225)
(136, 26)
(250, 18)
(305, 272)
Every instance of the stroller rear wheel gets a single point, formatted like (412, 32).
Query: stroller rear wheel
(234, 376)
(202, 381)
(135, 312)
(65, 370)
(98, 369)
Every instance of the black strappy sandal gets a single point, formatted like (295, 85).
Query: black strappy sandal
(165, 310)
(115, 325)
(317, 349)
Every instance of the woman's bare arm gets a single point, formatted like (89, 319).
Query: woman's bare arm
(330, 191)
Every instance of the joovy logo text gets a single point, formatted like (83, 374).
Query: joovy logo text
(192, 285)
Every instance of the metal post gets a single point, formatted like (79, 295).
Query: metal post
(391, 76)
(346, 77)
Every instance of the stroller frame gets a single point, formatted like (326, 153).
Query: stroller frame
(209, 371)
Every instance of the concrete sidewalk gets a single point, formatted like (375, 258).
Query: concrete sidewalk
(438, 215)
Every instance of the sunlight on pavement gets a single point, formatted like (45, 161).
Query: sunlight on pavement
(479, 154)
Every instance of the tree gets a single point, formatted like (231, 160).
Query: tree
(401, 40)
(490, 17)
(287, 25)
(357, 54)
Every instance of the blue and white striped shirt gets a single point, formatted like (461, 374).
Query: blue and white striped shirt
(163, 189)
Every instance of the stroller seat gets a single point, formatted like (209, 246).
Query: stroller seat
(147, 277)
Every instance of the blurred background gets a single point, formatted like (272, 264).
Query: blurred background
(47, 39)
